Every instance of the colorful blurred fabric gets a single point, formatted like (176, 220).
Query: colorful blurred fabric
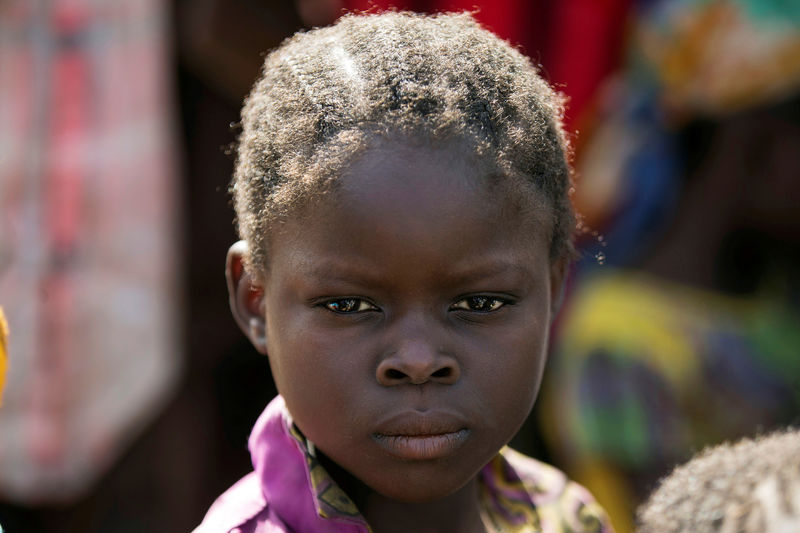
(685, 59)
(647, 372)
(720, 56)
(88, 234)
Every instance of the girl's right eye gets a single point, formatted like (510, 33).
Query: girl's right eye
(349, 306)
(479, 304)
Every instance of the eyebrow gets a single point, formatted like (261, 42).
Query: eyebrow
(332, 270)
(347, 272)
(489, 269)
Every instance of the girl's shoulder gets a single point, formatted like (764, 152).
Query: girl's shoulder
(242, 509)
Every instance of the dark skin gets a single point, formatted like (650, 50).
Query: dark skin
(415, 302)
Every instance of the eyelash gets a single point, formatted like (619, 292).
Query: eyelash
(474, 304)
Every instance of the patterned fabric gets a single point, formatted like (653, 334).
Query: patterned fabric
(291, 491)
(87, 237)
(647, 372)
(523, 495)
(330, 500)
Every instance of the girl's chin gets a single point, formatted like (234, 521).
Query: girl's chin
(422, 491)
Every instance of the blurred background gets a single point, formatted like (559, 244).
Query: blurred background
(131, 392)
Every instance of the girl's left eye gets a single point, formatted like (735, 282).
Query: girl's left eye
(349, 305)
(481, 304)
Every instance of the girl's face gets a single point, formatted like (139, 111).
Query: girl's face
(406, 316)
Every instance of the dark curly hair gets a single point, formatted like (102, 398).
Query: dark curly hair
(327, 94)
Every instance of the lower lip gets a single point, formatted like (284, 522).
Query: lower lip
(422, 447)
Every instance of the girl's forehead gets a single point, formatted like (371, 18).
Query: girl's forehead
(401, 171)
(410, 164)
(389, 185)
(409, 219)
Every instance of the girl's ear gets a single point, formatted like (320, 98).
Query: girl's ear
(559, 270)
(246, 297)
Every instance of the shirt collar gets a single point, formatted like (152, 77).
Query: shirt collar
(293, 481)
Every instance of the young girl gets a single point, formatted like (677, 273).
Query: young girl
(401, 191)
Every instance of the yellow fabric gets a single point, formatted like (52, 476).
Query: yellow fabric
(611, 490)
(3, 352)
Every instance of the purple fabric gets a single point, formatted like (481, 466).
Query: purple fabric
(278, 496)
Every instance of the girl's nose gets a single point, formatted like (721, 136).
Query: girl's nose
(417, 362)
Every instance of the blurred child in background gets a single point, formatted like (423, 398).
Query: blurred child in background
(752, 486)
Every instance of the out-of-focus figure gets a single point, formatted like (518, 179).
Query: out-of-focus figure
(751, 486)
(88, 219)
(681, 328)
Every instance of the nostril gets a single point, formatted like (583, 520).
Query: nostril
(394, 374)
(401, 369)
(442, 373)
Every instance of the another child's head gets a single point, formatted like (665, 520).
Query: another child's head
(752, 486)
(401, 190)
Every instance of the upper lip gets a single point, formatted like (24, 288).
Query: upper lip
(420, 423)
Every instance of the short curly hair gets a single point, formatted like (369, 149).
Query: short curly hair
(752, 486)
(326, 94)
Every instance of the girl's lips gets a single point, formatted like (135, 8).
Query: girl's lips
(422, 447)
(419, 435)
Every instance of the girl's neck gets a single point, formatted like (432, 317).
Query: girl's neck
(458, 512)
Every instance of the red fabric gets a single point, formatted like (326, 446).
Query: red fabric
(521, 22)
(49, 393)
(517, 21)
(376, 5)
(585, 47)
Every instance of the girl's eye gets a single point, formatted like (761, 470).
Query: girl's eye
(349, 305)
(481, 304)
